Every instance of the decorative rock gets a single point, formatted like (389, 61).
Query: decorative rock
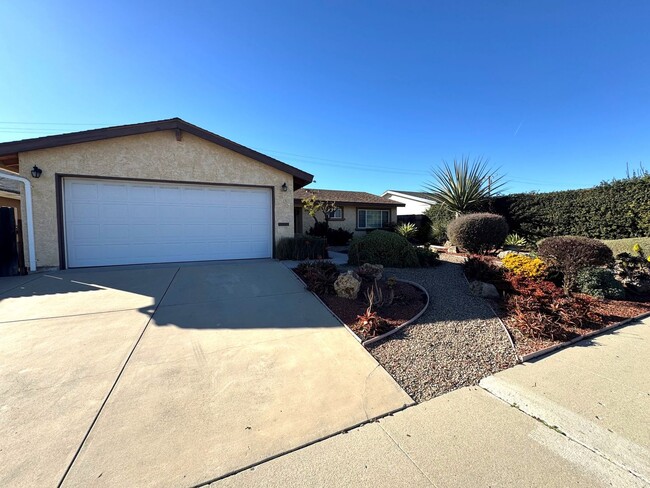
(452, 249)
(371, 271)
(503, 254)
(485, 290)
(347, 285)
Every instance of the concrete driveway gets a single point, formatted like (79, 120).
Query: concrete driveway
(172, 375)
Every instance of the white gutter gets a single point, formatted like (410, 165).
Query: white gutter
(29, 217)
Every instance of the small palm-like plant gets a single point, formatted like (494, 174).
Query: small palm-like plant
(516, 240)
(462, 186)
(407, 230)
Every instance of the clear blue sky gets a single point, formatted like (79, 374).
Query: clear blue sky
(364, 95)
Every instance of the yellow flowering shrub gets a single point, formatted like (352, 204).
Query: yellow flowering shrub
(521, 264)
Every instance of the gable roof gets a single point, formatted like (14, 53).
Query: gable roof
(416, 195)
(345, 197)
(300, 178)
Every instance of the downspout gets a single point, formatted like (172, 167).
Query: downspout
(29, 217)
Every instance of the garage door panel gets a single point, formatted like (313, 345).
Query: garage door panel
(109, 222)
(83, 211)
(142, 213)
(114, 233)
(81, 191)
(142, 194)
(113, 193)
(85, 232)
(117, 213)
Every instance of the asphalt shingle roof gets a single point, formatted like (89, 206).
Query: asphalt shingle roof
(342, 196)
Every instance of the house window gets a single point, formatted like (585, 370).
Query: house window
(372, 219)
(336, 214)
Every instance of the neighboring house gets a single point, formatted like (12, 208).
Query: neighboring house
(163, 191)
(356, 212)
(415, 202)
(10, 195)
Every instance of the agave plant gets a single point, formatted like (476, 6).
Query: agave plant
(516, 240)
(407, 230)
(463, 185)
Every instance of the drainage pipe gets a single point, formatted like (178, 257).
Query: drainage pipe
(29, 217)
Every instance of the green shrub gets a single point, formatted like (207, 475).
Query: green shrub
(614, 210)
(407, 230)
(335, 237)
(426, 257)
(479, 232)
(599, 282)
(382, 247)
(439, 217)
(318, 275)
(301, 247)
(633, 272)
(571, 254)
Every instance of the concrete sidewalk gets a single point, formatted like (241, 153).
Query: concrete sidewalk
(580, 417)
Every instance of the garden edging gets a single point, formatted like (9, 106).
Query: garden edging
(550, 349)
(408, 322)
(383, 336)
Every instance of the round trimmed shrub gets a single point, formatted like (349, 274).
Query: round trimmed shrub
(600, 283)
(478, 232)
(571, 254)
(383, 247)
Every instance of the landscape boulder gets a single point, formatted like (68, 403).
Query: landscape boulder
(484, 290)
(371, 271)
(347, 285)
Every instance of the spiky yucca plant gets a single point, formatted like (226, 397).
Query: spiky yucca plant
(463, 185)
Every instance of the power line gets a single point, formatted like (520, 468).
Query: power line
(52, 123)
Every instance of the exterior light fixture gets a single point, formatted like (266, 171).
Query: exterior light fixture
(284, 185)
(36, 172)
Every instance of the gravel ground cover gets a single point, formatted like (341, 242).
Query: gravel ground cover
(457, 341)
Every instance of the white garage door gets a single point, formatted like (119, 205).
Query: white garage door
(111, 222)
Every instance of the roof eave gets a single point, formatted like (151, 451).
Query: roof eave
(411, 197)
(300, 178)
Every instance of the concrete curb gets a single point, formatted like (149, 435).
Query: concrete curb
(408, 322)
(550, 349)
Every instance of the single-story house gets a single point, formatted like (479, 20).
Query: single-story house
(415, 202)
(357, 211)
(163, 191)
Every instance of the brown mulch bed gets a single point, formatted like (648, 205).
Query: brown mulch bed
(408, 302)
(610, 311)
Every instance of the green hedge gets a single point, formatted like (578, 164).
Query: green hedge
(613, 210)
(301, 247)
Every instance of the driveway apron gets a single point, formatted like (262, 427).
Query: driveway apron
(59, 360)
(238, 364)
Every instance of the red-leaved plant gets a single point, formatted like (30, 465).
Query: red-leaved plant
(540, 309)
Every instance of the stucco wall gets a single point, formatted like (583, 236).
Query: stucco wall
(412, 207)
(348, 223)
(158, 156)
